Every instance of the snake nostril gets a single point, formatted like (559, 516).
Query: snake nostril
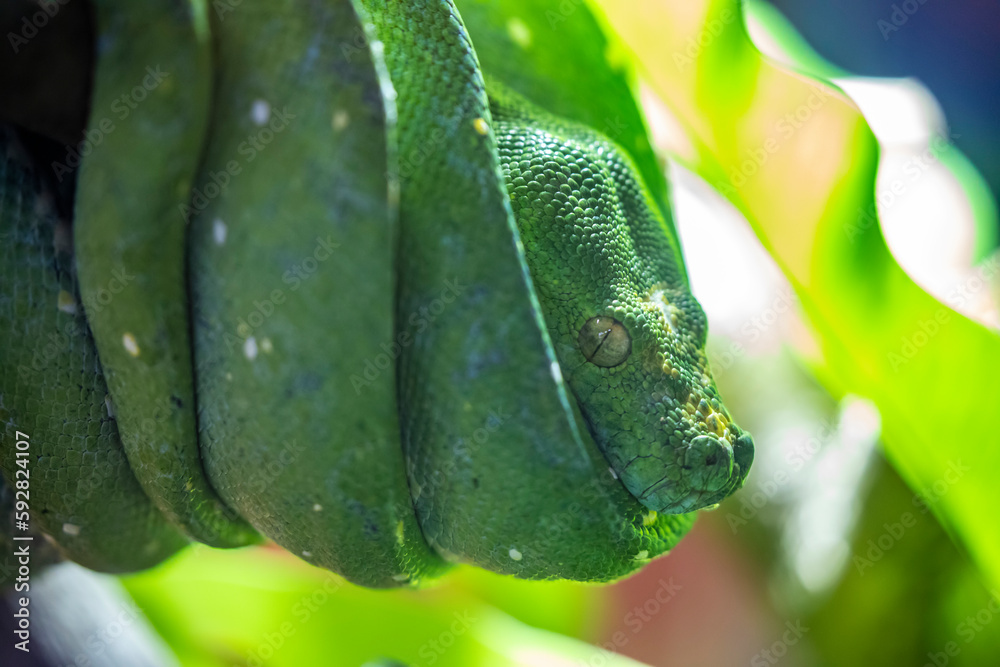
(711, 459)
(743, 451)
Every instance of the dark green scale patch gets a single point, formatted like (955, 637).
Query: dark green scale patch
(129, 233)
(296, 390)
(597, 247)
(82, 491)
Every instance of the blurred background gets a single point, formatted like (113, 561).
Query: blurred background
(865, 534)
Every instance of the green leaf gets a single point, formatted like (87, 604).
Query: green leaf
(260, 606)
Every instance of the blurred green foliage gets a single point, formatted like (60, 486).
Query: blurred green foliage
(261, 606)
(908, 593)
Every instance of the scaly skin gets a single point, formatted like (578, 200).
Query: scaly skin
(292, 270)
(598, 248)
(81, 489)
(149, 107)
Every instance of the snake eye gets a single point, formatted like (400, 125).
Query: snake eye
(604, 341)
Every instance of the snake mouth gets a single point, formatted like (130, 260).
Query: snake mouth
(706, 471)
(681, 478)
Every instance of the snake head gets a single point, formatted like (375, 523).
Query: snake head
(629, 335)
(649, 401)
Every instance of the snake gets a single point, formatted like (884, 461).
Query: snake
(327, 279)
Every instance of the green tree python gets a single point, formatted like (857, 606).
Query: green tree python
(330, 281)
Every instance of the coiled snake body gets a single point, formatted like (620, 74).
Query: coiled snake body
(353, 296)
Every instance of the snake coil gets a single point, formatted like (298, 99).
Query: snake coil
(326, 283)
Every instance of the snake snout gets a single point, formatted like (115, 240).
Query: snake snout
(707, 464)
(743, 450)
(708, 470)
